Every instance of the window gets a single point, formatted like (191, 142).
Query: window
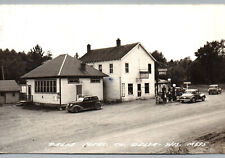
(45, 86)
(73, 80)
(100, 68)
(126, 67)
(2, 94)
(86, 99)
(146, 87)
(110, 68)
(149, 68)
(95, 80)
(130, 89)
(123, 89)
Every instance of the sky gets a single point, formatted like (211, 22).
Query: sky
(175, 30)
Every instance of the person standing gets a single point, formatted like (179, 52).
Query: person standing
(174, 93)
(164, 94)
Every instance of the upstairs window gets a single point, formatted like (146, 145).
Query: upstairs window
(127, 67)
(110, 68)
(149, 68)
(100, 68)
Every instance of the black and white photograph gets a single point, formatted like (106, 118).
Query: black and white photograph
(140, 78)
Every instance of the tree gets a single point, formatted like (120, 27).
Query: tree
(36, 57)
(159, 57)
(15, 64)
(210, 60)
(179, 71)
(161, 62)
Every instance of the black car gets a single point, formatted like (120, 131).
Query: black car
(84, 103)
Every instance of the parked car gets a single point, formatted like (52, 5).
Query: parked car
(192, 95)
(84, 103)
(214, 89)
(179, 92)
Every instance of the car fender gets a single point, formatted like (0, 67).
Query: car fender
(77, 106)
(202, 95)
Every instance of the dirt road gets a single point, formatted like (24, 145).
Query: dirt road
(132, 127)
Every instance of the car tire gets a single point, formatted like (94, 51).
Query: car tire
(98, 106)
(193, 100)
(76, 110)
(203, 98)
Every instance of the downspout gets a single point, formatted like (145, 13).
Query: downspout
(60, 99)
(60, 88)
(120, 91)
(26, 91)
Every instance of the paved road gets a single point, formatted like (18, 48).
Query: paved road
(131, 127)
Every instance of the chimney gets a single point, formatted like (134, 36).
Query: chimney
(83, 66)
(118, 42)
(88, 48)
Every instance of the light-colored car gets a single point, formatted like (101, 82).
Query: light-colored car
(192, 95)
(214, 89)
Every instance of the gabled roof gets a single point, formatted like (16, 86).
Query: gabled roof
(107, 54)
(63, 66)
(9, 86)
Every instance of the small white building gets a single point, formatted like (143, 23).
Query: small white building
(130, 69)
(62, 80)
(9, 91)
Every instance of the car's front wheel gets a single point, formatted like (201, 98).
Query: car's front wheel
(203, 98)
(193, 100)
(76, 109)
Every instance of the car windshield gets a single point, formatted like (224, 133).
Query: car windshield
(213, 86)
(80, 99)
(190, 91)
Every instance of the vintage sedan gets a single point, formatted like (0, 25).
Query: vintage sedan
(84, 103)
(214, 89)
(192, 95)
(179, 92)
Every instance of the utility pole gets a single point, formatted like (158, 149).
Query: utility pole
(3, 77)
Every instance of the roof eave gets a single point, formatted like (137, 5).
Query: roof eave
(65, 76)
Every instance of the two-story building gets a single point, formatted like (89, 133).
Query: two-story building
(130, 69)
(62, 80)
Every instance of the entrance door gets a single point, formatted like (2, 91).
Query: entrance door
(139, 90)
(79, 90)
(29, 93)
(2, 98)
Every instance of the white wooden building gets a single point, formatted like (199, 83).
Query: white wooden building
(9, 91)
(130, 69)
(62, 80)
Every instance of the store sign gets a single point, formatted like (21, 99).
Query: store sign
(162, 71)
(144, 75)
